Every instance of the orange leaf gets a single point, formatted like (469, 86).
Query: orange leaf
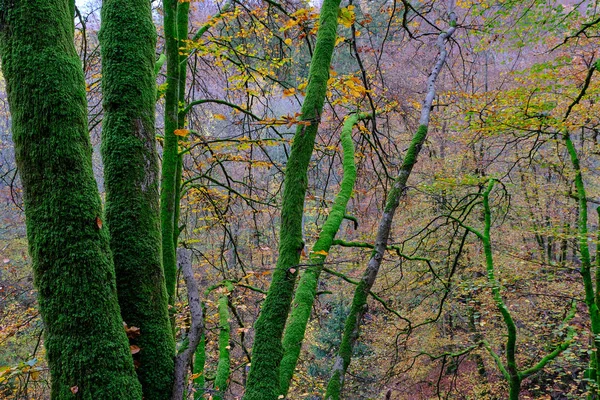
(134, 349)
(98, 222)
(289, 92)
(181, 132)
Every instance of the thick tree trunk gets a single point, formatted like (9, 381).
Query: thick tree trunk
(128, 40)
(354, 319)
(263, 380)
(87, 349)
(307, 286)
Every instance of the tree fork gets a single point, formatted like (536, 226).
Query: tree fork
(87, 349)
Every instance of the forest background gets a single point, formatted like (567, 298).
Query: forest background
(488, 284)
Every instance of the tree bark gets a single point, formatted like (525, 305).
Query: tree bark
(87, 349)
(128, 41)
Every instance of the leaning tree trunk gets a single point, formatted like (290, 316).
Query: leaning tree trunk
(354, 319)
(306, 292)
(86, 345)
(263, 380)
(128, 40)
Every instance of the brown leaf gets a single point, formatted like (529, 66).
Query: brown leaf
(74, 389)
(98, 222)
(132, 332)
(134, 349)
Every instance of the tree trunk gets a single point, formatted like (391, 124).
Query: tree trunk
(87, 349)
(263, 380)
(359, 302)
(170, 157)
(128, 40)
(307, 287)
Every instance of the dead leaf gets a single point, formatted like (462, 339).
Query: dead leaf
(98, 222)
(181, 132)
(134, 349)
(74, 389)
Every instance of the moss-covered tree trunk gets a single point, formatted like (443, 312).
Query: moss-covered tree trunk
(170, 157)
(128, 40)
(267, 351)
(586, 265)
(86, 345)
(307, 286)
(224, 365)
(359, 301)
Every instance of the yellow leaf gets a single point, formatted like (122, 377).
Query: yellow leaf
(321, 252)
(346, 16)
(181, 132)
(288, 41)
(289, 92)
(220, 116)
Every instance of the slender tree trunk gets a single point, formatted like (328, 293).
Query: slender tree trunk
(223, 367)
(170, 157)
(586, 264)
(128, 40)
(183, 13)
(354, 319)
(307, 286)
(263, 380)
(86, 345)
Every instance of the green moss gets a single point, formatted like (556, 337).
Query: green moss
(307, 286)
(128, 39)
(351, 332)
(263, 380)
(199, 363)
(170, 157)
(410, 159)
(586, 263)
(351, 329)
(222, 375)
(73, 269)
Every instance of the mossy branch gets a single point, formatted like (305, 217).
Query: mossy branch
(264, 378)
(307, 286)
